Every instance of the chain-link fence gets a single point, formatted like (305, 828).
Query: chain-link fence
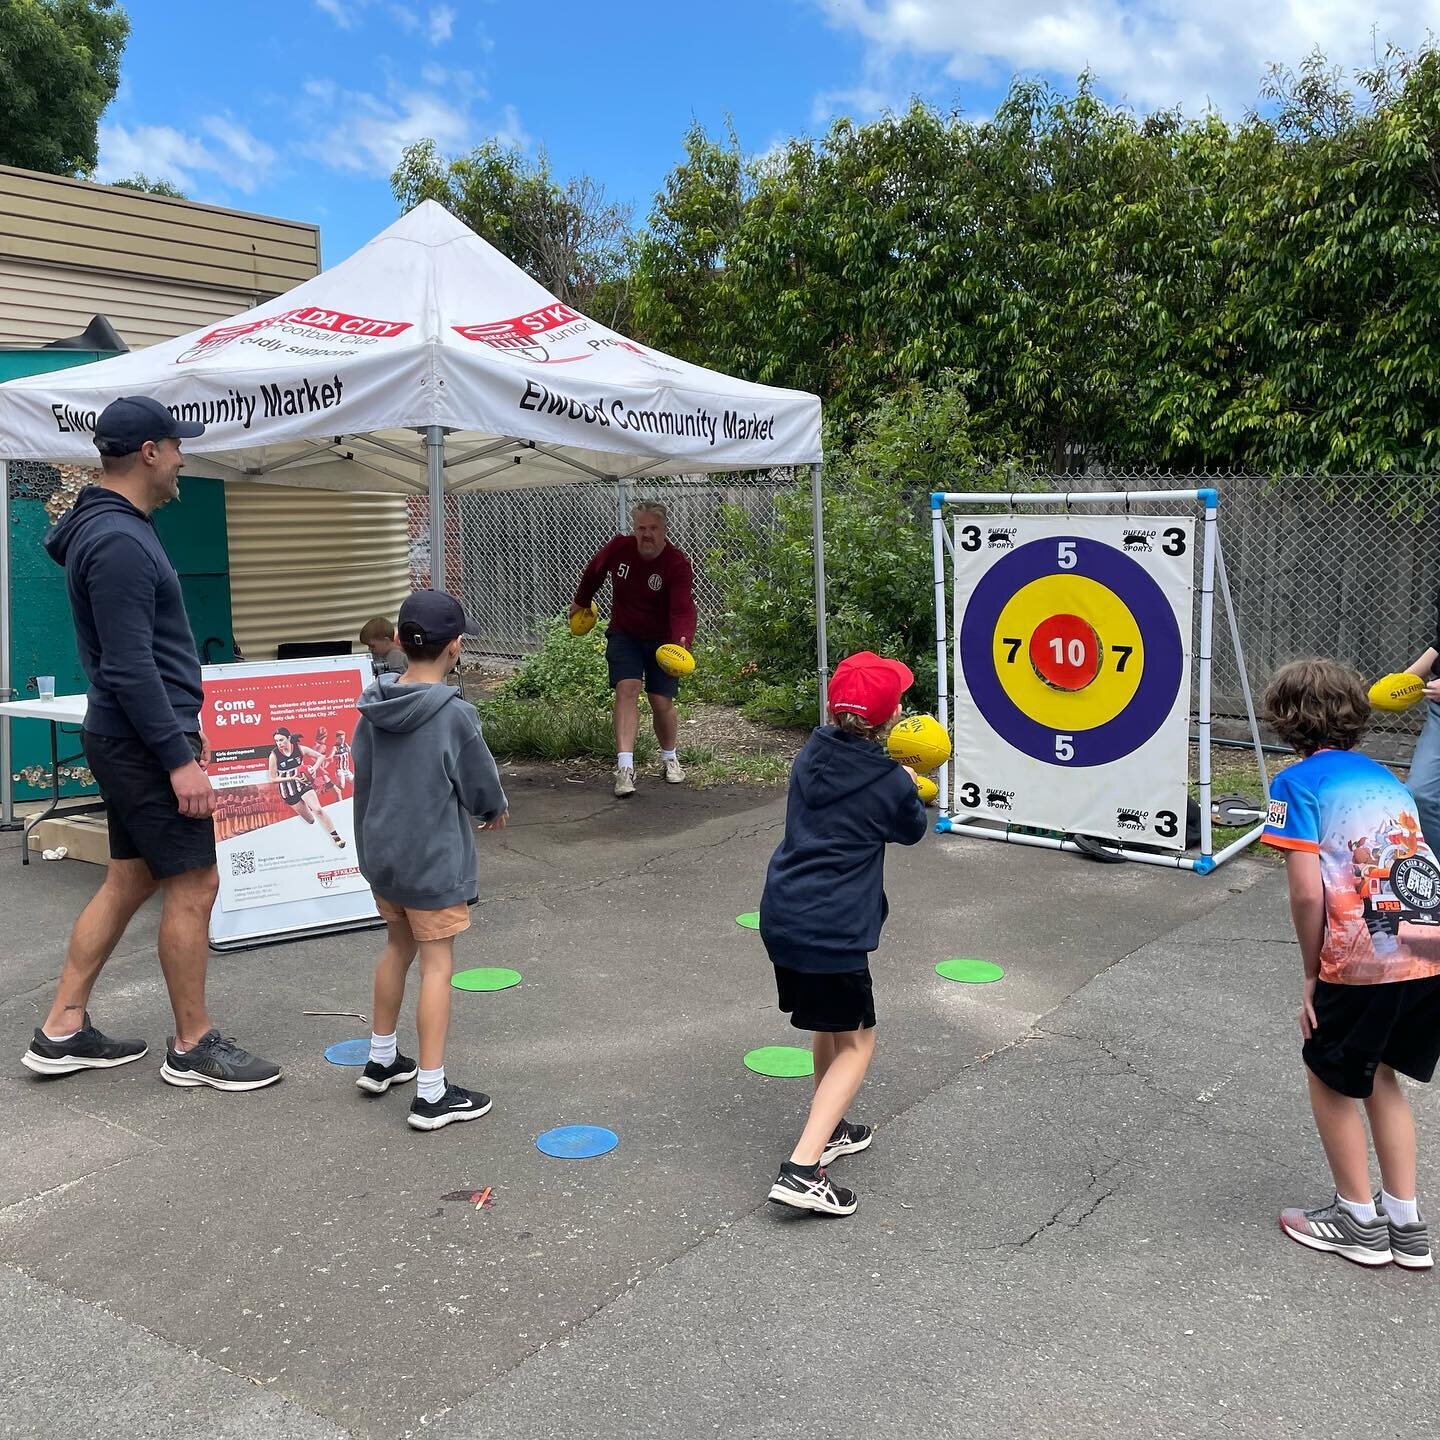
(514, 557)
(1314, 566)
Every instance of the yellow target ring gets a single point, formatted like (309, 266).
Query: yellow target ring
(1122, 652)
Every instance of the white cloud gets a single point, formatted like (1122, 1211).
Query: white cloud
(374, 132)
(441, 22)
(1155, 53)
(162, 152)
(342, 12)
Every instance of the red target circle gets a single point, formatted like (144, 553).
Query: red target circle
(1065, 651)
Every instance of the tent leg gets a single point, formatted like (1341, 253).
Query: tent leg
(822, 659)
(435, 460)
(7, 799)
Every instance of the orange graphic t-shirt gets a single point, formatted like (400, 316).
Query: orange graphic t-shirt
(1382, 885)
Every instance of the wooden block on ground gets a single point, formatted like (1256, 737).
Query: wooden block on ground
(85, 837)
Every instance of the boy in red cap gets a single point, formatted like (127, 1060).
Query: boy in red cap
(824, 904)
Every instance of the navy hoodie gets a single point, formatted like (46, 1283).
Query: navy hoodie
(133, 635)
(422, 770)
(824, 900)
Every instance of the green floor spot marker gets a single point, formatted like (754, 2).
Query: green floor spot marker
(485, 978)
(781, 1060)
(750, 919)
(969, 972)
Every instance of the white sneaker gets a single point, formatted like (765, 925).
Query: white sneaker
(624, 781)
(674, 775)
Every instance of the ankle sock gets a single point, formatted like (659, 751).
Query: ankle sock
(382, 1048)
(809, 1170)
(59, 1039)
(669, 755)
(1402, 1212)
(1362, 1210)
(625, 758)
(431, 1084)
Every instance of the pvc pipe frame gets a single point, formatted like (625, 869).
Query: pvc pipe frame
(1206, 861)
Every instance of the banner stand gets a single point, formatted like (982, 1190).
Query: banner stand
(1212, 566)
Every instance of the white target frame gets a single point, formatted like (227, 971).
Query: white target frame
(1212, 567)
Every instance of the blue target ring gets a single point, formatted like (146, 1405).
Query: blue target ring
(1154, 696)
(348, 1052)
(577, 1142)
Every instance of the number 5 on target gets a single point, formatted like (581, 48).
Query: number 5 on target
(1064, 750)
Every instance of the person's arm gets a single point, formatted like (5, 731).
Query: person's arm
(592, 578)
(477, 780)
(121, 582)
(1307, 910)
(909, 822)
(682, 601)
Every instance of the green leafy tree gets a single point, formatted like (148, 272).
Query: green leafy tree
(568, 236)
(59, 69)
(142, 182)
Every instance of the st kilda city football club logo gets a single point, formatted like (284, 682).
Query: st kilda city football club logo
(543, 336)
(314, 323)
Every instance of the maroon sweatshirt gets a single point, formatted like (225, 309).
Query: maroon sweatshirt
(650, 599)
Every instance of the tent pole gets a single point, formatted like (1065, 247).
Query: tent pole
(822, 661)
(435, 458)
(7, 799)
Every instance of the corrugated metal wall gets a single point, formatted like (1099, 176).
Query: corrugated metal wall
(312, 564)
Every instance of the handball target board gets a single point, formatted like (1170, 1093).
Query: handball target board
(1071, 673)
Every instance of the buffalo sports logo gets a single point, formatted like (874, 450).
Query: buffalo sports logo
(311, 319)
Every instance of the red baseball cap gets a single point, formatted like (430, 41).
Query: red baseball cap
(868, 685)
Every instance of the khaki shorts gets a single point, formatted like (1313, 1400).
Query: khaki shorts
(426, 924)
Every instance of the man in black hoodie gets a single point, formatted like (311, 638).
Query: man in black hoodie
(824, 903)
(142, 744)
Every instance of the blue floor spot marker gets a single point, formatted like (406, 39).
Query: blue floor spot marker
(348, 1052)
(577, 1142)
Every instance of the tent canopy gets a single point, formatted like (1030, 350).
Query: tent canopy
(427, 328)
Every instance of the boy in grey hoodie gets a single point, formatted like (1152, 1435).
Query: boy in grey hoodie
(423, 774)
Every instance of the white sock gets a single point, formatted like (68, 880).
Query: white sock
(625, 758)
(1402, 1212)
(432, 1084)
(668, 755)
(59, 1038)
(1362, 1210)
(382, 1048)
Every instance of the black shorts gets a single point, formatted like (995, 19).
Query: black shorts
(141, 810)
(632, 659)
(1362, 1026)
(834, 1001)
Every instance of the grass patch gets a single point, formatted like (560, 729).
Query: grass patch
(541, 730)
(705, 766)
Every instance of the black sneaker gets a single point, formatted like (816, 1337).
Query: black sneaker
(1409, 1244)
(86, 1049)
(378, 1078)
(798, 1189)
(219, 1062)
(455, 1104)
(848, 1139)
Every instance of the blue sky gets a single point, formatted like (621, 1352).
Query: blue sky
(301, 108)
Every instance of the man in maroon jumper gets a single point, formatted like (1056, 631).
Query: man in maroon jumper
(652, 603)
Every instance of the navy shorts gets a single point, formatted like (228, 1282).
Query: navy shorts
(632, 659)
(141, 811)
(1364, 1026)
(832, 1001)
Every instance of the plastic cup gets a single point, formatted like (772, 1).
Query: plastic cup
(45, 684)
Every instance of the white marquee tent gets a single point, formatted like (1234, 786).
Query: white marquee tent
(425, 363)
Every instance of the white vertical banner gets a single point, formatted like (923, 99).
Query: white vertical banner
(1072, 673)
(278, 740)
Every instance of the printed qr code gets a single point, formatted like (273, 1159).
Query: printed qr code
(242, 862)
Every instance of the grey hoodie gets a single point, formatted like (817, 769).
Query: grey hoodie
(422, 770)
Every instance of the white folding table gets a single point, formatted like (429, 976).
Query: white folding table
(60, 711)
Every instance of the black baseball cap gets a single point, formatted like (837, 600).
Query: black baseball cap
(127, 423)
(431, 617)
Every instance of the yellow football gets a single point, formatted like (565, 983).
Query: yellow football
(675, 659)
(1396, 692)
(583, 621)
(920, 743)
(926, 789)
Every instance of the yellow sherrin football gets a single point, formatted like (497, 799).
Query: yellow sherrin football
(920, 743)
(1396, 692)
(675, 659)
